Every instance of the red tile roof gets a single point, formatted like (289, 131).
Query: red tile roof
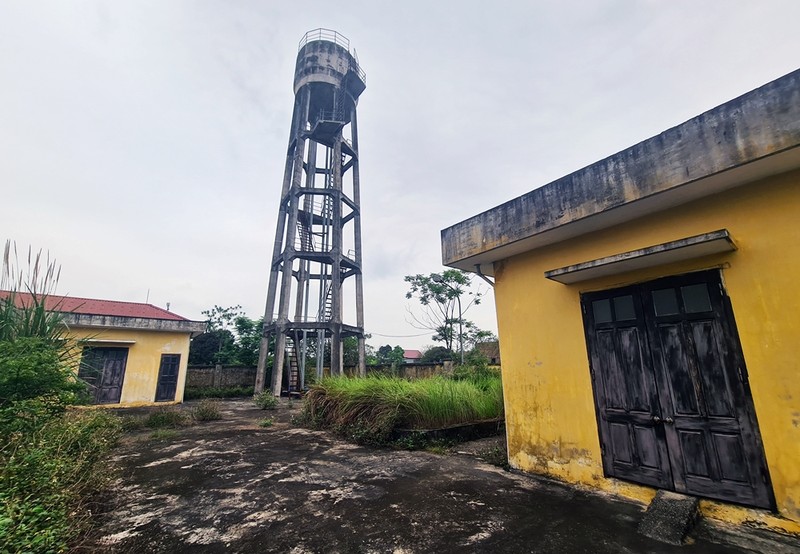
(92, 306)
(412, 354)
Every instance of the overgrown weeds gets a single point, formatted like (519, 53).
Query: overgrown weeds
(207, 410)
(167, 418)
(48, 476)
(266, 400)
(367, 410)
(52, 459)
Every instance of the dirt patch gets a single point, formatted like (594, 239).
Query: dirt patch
(235, 486)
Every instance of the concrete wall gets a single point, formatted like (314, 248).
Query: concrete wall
(144, 359)
(550, 415)
(220, 376)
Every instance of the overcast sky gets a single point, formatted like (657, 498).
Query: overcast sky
(142, 143)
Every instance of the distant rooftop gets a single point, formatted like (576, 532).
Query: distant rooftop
(93, 306)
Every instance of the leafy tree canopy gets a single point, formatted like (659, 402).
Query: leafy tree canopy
(438, 354)
(222, 318)
(390, 355)
(444, 300)
(232, 338)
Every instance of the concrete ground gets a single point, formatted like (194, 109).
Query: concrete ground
(234, 486)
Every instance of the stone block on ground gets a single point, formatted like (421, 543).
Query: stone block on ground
(669, 517)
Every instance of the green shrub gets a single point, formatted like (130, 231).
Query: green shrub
(266, 422)
(52, 461)
(32, 367)
(47, 477)
(266, 401)
(167, 417)
(27, 416)
(207, 410)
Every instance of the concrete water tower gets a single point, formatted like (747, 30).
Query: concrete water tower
(315, 295)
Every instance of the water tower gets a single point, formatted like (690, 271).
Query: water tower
(315, 295)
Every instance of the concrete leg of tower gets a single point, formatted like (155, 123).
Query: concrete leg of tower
(261, 372)
(336, 351)
(362, 356)
(277, 367)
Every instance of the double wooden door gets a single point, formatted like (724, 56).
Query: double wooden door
(673, 403)
(103, 369)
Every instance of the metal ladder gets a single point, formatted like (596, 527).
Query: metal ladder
(294, 369)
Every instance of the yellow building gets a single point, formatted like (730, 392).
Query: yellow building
(133, 354)
(649, 313)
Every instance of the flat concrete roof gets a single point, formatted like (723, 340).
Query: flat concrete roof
(138, 323)
(744, 140)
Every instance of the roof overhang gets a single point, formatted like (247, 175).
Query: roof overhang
(687, 248)
(745, 140)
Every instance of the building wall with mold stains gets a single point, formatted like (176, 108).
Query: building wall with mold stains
(550, 413)
(144, 360)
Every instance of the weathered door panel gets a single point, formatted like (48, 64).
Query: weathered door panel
(672, 401)
(709, 420)
(103, 368)
(624, 390)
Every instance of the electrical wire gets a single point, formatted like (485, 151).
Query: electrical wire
(398, 336)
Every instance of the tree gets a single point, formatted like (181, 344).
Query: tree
(445, 298)
(389, 355)
(213, 347)
(473, 335)
(222, 318)
(232, 338)
(371, 355)
(437, 354)
(350, 351)
(248, 339)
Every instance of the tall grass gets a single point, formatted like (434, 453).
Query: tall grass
(369, 409)
(52, 461)
(25, 315)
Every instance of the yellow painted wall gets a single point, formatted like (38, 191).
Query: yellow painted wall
(550, 415)
(144, 359)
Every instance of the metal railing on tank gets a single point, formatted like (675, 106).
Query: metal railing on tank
(325, 34)
(330, 35)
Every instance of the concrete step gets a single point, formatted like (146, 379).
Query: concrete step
(669, 517)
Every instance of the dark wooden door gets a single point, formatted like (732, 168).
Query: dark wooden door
(168, 377)
(702, 414)
(103, 369)
(627, 404)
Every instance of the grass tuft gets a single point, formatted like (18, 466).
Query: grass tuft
(266, 401)
(163, 435)
(167, 418)
(207, 410)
